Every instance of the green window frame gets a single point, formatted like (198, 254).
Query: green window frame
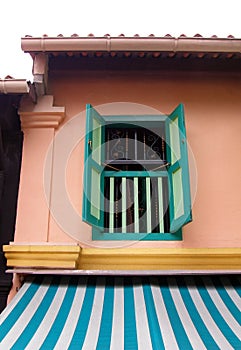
(176, 172)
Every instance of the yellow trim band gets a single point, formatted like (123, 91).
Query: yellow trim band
(42, 256)
(77, 258)
(160, 259)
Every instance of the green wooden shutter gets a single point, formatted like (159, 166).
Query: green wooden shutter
(178, 172)
(93, 170)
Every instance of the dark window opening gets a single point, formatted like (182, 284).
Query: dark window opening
(126, 147)
(135, 202)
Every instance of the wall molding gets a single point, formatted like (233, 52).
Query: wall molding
(42, 256)
(74, 257)
(161, 259)
(41, 115)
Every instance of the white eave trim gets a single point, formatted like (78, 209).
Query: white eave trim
(14, 86)
(137, 44)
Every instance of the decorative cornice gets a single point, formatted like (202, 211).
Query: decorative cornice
(126, 259)
(41, 115)
(42, 256)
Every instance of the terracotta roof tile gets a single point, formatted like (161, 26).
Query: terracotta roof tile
(197, 35)
(8, 77)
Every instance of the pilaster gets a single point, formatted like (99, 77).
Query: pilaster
(39, 122)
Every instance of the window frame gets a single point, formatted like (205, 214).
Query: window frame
(98, 232)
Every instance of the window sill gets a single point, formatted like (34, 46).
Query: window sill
(98, 235)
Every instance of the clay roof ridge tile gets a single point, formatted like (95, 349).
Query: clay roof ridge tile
(168, 35)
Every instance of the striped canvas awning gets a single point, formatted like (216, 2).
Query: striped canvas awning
(98, 312)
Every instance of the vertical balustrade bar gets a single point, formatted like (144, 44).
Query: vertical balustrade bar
(148, 205)
(126, 146)
(136, 206)
(111, 206)
(163, 157)
(108, 145)
(136, 145)
(165, 204)
(160, 205)
(107, 203)
(117, 203)
(123, 200)
(154, 214)
(144, 144)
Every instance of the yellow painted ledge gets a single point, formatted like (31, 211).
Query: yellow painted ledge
(42, 256)
(160, 259)
(77, 258)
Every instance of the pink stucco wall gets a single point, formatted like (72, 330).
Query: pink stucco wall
(212, 104)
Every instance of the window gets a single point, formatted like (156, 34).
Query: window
(136, 180)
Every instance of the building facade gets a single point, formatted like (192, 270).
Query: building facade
(132, 77)
(129, 178)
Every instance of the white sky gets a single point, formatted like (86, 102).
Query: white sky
(159, 17)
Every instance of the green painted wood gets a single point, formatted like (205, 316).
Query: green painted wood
(93, 202)
(160, 204)
(136, 205)
(96, 141)
(178, 172)
(135, 120)
(132, 236)
(111, 206)
(123, 173)
(178, 200)
(123, 214)
(148, 205)
(174, 140)
(179, 189)
(95, 193)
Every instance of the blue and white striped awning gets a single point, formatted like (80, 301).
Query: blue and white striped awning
(97, 312)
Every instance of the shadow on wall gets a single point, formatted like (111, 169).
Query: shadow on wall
(11, 140)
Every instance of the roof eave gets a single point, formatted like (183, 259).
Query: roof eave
(14, 86)
(134, 44)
